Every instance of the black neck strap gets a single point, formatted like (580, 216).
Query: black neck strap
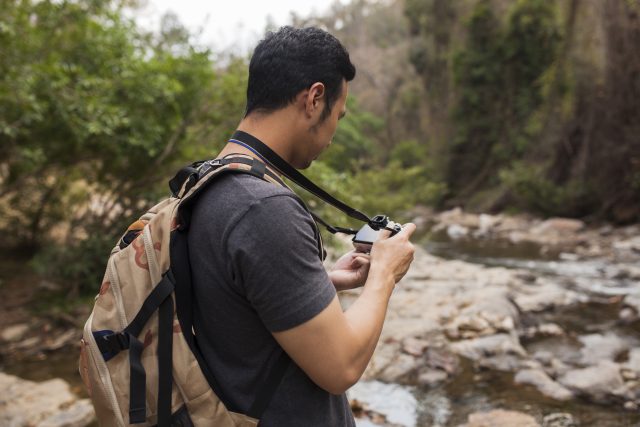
(270, 157)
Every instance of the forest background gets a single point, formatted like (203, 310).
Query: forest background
(492, 105)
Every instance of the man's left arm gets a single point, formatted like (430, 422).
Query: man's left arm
(350, 271)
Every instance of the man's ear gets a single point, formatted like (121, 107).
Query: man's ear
(315, 99)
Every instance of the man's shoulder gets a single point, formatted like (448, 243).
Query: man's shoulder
(245, 188)
(231, 196)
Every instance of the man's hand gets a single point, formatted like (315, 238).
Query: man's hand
(350, 271)
(334, 347)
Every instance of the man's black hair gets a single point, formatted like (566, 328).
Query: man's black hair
(291, 60)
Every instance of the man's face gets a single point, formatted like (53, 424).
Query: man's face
(320, 135)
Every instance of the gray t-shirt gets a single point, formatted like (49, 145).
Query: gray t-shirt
(256, 270)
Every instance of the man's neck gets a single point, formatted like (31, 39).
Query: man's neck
(274, 130)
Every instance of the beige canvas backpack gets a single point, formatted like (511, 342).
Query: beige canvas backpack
(139, 358)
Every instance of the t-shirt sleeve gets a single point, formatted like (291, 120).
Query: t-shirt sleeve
(275, 261)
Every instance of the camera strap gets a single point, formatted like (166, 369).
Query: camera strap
(278, 163)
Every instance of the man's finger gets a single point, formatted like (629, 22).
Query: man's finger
(408, 229)
(384, 234)
(360, 261)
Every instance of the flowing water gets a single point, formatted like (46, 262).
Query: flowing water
(479, 390)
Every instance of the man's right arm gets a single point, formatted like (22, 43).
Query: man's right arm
(334, 347)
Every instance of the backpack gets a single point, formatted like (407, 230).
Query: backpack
(139, 358)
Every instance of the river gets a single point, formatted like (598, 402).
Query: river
(471, 387)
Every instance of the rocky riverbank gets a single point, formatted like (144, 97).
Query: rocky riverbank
(556, 327)
(447, 313)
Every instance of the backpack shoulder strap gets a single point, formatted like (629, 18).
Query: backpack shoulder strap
(195, 180)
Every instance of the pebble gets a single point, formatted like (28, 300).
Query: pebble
(559, 419)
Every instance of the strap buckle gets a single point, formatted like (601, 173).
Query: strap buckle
(113, 343)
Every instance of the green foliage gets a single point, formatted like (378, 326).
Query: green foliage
(497, 76)
(79, 265)
(410, 154)
(84, 95)
(95, 117)
(392, 190)
(534, 192)
(353, 145)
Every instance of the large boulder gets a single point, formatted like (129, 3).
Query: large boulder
(49, 404)
(545, 385)
(600, 382)
(543, 295)
(502, 352)
(597, 347)
(395, 404)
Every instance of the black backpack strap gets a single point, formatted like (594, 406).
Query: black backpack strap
(188, 175)
(111, 344)
(165, 362)
(269, 387)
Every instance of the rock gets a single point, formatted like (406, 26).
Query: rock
(79, 414)
(486, 223)
(49, 403)
(598, 347)
(626, 250)
(544, 295)
(14, 332)
(414, 346)
(482, 312)
(567, 256)
(543, 356)
(633, 361)
(558, 226)
(632, 244)
(627, 272)
(544, 330)
(630, 406)
(633, 301)
(65, 338)
(504, 363)
(395, 403)
(456, 232)
(597, 382)
(559, 419)
(47, 285)
(30, 344)
(442, 359)
(501, 418)
(457, 216)
(558, 368)
(545, 385)
(400, 367)
(493, 345)
(431, 377)
(629, 375)
(526, 276)
(627, 315)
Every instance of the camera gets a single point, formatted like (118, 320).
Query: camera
(364, 238)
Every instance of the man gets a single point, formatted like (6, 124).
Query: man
(259, 282)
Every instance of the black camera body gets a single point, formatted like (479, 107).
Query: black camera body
(364, 238)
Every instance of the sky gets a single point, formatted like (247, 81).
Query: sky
(229, 25)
